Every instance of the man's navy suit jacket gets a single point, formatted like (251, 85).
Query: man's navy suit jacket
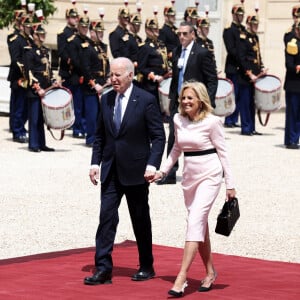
(139, 142)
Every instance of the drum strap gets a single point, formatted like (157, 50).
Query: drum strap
(260, 118)
(62, 134)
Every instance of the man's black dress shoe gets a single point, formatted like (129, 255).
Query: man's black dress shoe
(34, 149)
(79, 135)
(47, 149)
(99, 277)
(166, 180)
(247, 133)
(292, 146)
(142, 275)
(228, 125)
(256, 133)
(21, 139)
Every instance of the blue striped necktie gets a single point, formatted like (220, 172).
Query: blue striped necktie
(118, 112)
(181, 71)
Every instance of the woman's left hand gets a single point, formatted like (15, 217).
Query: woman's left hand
(230, 193)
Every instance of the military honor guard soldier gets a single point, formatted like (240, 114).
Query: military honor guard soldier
(292, 90)
(250, 70)
(153, 65)
(95, 71)
(231, 37)
(18, 83)
(39, 75)
(63, 36)
(168, 32)
(76, 43)
(121, 41)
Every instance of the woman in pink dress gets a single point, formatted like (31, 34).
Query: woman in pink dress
(200, 136)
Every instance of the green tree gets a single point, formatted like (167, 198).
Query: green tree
(7, 8)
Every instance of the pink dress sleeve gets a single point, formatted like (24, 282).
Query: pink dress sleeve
(218, 140)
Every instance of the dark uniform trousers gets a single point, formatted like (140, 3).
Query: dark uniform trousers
(292, 92)
(18, 103)
(231, 36)
(250, 60)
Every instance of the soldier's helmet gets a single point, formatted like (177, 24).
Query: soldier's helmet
(84, 21)
(124, 13)
(191, 12)
(169, 11)
(238, 9)
(296, 11)
(252, 19)
(151, 23)
(18, 13)
(203, 22)
(26, 20)
(135, 19)
(38, 28)
(72, 13)
(97, 25)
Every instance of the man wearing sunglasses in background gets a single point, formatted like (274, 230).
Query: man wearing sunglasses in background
(190, 61)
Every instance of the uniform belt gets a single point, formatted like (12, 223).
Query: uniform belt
(198, 153)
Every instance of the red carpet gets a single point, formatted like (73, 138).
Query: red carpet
(59, 275)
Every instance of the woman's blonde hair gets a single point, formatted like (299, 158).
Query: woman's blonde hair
(203, 98)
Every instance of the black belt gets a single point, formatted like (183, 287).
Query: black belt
(198, 153)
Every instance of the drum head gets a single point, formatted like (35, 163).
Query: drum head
(224, 88)
(268, 83)
(164, 86)
(57, 97)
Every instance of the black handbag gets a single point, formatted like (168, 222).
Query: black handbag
(228, 216)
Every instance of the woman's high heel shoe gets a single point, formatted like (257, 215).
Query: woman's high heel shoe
(178, 294)
(207, 288)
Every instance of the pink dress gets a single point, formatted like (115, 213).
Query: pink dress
(202, 175)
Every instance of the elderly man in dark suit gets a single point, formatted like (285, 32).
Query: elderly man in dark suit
(129, 143)
(190, 61)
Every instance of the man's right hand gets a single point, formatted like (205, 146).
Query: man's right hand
(94, 175)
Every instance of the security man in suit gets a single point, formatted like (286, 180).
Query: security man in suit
(168, 32)
(251, 67)
(135, 22)
(153, 65)
(190, 61)
(76, 43)
(39, 74)
(292, 90)
(18, 83)
(231, 37)
(121, 41)
(291, 32)
(129, 145)
(95, 71)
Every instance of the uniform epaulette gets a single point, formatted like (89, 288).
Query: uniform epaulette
(291, 47)
(243, 36)
(142, 44)
(13, 38)
(85, 45)
(71, 38)
(60, 31)
(27, 47)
